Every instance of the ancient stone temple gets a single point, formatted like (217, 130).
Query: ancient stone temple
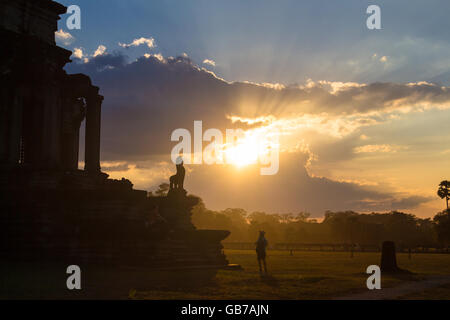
(52, 210)
(41, 106)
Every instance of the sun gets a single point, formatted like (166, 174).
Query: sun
(243, 154)
(247, 150)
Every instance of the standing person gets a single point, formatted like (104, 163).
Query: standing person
(261, 245)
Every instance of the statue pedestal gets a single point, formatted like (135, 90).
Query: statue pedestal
(182, 245)
(177, 194)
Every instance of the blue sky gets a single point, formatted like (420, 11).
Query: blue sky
(286, 41)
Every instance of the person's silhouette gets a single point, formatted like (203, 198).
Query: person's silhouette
(261, 245)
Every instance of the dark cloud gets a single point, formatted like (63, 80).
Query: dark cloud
(115, 167)
(97, 64)
(441, 79)
(147, 99)
(291, 190)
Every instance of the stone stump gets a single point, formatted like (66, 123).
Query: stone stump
(388, 257)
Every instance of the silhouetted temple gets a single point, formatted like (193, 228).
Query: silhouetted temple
(49, 208)
(42, 106)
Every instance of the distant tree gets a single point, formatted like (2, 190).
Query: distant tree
(400, 227)
(444, 191)
(352, 222)
(442, 224)
(406, 230)
(286, 217)
(303, 216)
(163, 189)
(426, 234)
(342, 225)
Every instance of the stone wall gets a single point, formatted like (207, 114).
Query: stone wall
(106, 226)
(36, 18)
(49, 210)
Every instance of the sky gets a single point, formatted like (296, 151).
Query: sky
(361, 116)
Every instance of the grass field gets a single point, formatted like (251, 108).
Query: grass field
(305, 275)
(439, 293)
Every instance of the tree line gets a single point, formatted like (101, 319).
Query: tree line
(349, 227)
(344, 227)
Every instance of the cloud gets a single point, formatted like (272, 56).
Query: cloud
(149, 42)
(80, 56)
(292, 190)
(158, 56)
(169, 93)
(442, 78)
(115, 166)
(98, 62)
(383, 148)
(147, 99)
(78, 53)
(209, 62)
(390, 203)
(369, 98)
(101, 50)
(145, 175)
(64, 37)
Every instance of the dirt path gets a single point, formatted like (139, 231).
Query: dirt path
(399, 291)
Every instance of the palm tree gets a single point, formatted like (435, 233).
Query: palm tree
(444, 191)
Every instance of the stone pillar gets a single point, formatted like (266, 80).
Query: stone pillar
(14, 106)
(92, 144)
(72, 117)
(4, 125)
(388, 257)
(50, 156)
(70, 144)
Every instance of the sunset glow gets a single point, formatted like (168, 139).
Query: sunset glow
(253, 147)
(342, 120)
(232, 150)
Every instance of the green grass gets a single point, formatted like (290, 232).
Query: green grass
(439, 293)
(305, 275)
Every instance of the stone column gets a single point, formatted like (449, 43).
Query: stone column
(70, 144)
(388, 257)
(92, 144)
(4, 125)
(14, 118)
(50, 156)
(72, 117)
